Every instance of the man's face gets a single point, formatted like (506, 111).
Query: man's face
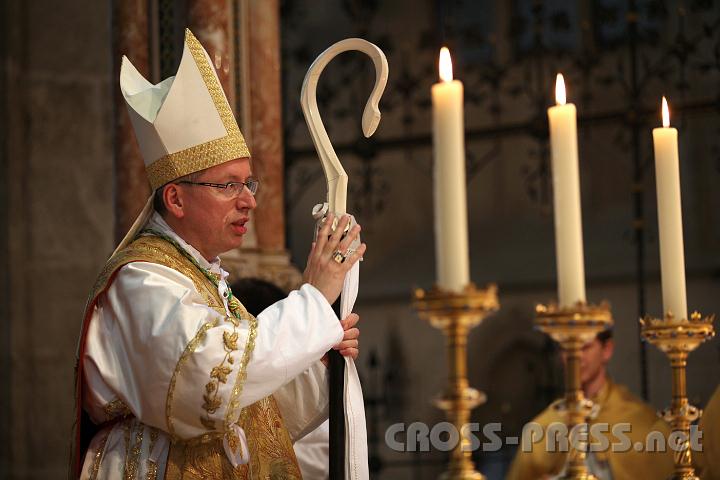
(594, 357)
(216, 223)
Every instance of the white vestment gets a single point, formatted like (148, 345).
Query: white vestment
(147, 326)
(313, 453)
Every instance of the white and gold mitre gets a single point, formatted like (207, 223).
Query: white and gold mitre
(183, 124)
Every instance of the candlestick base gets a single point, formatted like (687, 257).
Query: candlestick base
(677, 338)
(573, 327)
(455, 314)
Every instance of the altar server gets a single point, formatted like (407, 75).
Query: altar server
(616, 405)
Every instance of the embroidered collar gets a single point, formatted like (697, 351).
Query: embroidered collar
(159, 224)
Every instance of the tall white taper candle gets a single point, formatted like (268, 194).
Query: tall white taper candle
(451, 231)
(672, 255)
(566, 194)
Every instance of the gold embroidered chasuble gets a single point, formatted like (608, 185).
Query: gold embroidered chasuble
(271, 452)
(707, 462)
(617, 405)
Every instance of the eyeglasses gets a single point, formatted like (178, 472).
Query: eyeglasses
(230, 189)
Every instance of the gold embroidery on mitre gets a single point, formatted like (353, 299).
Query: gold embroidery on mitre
(208, 154)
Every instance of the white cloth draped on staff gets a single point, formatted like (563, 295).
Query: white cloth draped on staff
(356, 460)
(355, 429)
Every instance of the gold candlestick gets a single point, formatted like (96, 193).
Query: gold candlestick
(573, 327)
(455, 314)
(677, 338)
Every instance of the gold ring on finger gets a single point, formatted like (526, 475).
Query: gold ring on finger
(338, 256)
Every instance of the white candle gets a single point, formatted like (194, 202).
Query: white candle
(451, 231)
(566, 195)
(672, 257)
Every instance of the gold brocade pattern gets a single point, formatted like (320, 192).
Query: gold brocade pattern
(97, 459)
(189, 349)
(218, 375)
(116, 409)
(151, 465)
(156, 250)
(232, 414)
(127, 432)
(271, 452)
(132, 457)
(208, 154)
(196, 158)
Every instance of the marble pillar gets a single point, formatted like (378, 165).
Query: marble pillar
(130, 38)
(259, 111)
(266, 121)
(211, 21)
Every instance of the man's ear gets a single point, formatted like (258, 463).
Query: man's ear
(607, 350)
(173, 197)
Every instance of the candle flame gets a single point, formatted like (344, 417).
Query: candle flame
(560, 98)
(665, 113)
(446, 74)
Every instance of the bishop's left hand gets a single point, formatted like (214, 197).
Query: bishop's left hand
(350, 345)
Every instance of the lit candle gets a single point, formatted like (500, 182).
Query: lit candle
(566, 193)
(451, 231)
(672, 257)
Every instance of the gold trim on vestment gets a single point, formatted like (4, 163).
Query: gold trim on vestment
(232, 414)
(189, 350)
(116, 409)
(156, 250)
(209, 154)
(219, 373)
(97, 459)
(132, 457)
(151, 473)
(271, 452)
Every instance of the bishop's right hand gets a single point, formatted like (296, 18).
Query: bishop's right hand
(331, 257)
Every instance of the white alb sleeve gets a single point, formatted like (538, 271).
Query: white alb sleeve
(155, 344)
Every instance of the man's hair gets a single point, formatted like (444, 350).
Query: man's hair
(605, 335)
(159, 201)
(256, 294)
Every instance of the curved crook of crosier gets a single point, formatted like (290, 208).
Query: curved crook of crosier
(334, 171)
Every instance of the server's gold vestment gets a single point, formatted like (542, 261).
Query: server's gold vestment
(617, 405)
(708, 461)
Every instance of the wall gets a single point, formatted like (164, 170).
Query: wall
(57, 214)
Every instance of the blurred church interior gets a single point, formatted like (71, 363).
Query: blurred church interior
(67, 196)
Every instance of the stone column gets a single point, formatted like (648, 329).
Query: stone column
(259, 90)
(210, 21)
(130, 38)
(266, 122)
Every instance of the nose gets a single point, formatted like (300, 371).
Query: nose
(246, 199)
